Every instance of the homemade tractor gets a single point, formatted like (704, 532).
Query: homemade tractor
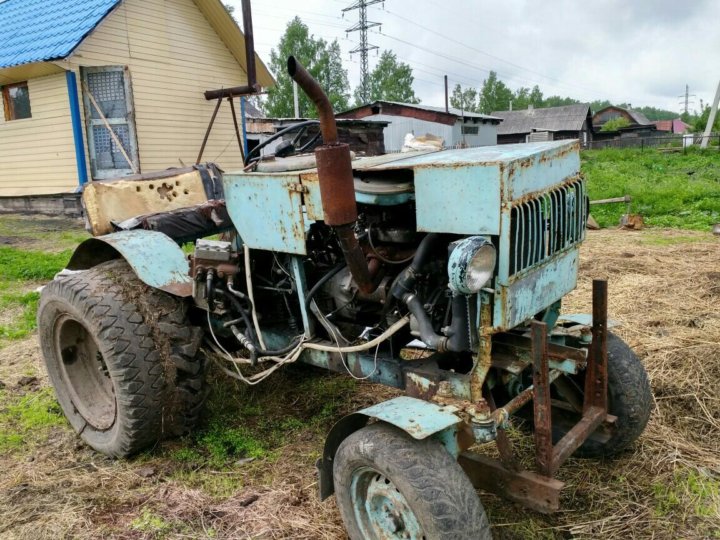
(437, 273)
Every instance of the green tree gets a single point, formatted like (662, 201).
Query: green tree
(230, 9)
(524, 97)
(391, 80)
(465, 99)
(322, 60)
(615, 124)
(558, 101)
(494, 95)
(702, 120)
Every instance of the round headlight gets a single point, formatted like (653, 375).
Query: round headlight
(471, 264)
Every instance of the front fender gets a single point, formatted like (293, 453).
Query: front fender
(419, 419)
(156, 259)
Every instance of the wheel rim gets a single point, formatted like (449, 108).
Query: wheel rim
(381, 511)
(85, 373)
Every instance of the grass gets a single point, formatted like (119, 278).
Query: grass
(27, 419)
(20, 270)
(678, 190)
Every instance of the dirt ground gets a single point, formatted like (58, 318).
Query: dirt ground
(664, 290)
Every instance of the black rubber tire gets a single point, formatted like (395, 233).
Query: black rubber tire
(437, 490)
(144, 347)
(629, 398)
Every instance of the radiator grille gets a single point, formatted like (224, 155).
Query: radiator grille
(546, 225)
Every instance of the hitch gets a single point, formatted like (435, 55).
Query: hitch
(540, 491)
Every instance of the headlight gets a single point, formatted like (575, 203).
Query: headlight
(471, 264)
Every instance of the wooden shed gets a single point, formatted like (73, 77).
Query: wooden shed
(73, 70)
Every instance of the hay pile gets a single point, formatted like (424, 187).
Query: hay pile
(664, 287)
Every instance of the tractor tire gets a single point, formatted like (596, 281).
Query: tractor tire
(122, 358)
(389, 485)
(629, 398)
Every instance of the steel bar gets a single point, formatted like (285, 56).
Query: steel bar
(235, 91)
(541, 395)
(523, 398)
(596, 372)
(524, 487)
(237, 127)
(209, 129)
(250, 68)
(502, 441)
(577, 435)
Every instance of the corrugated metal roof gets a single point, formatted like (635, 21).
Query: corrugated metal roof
(565, 118)
(42, 30)
(639, 118)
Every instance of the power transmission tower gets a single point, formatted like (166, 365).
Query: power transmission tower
(364, 47)
(687, 96)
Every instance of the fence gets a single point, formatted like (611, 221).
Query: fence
(658, 141)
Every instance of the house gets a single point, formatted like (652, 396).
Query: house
(457, 128)
(672, 126)
(638, 124)
(546, 124)
(71, 69)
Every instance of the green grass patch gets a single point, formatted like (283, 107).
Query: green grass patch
(690, 491)
(26, 265)
(678, 190)
(25, 304)
(28, 418)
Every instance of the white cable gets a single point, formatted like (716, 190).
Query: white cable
(248, 282)
(365, 346)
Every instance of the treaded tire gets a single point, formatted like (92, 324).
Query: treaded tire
(436, 489)
(150, 383)
(629, 398)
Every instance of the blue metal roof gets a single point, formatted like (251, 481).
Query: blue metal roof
(43, 30)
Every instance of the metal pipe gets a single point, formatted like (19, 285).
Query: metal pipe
(249, 44)
(337, 186)
(314, 91)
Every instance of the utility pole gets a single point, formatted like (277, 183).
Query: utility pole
(711, 119)
(364, 47)
(687, 97)
(447, 107)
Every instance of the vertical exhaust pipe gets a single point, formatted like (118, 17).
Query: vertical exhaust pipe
(337, 187)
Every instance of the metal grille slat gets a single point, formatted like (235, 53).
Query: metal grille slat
(546, 225)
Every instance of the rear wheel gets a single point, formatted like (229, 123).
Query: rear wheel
(391, 486)
(122, 358)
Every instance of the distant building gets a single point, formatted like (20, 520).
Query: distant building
(672, 126)
(546, 124)
(639, 125)
(96, 89)
(455, 127)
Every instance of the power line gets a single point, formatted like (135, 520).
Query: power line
(362, 26)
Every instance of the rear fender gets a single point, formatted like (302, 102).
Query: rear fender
(156, 259)
(419, 419)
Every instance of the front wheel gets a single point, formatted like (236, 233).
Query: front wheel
(391, 486)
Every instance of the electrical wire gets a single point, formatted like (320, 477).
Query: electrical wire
(251, 296)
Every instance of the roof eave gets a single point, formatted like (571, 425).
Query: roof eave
(229, 32)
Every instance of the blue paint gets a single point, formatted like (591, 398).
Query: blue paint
(267, 211)
(385, 199)
(77, 127)
(301, 285)
(43, 30)
(532, 292)
(243, 121)
(416, 417)
(156, 259)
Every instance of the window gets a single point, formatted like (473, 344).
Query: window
(470, 130)
(16, 101)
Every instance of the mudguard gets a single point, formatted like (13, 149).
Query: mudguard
(156, 259)
(419, 419)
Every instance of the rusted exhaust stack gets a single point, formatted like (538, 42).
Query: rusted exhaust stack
(337, 187)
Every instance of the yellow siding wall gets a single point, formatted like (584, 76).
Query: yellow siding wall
(173, 55)
(37, 155)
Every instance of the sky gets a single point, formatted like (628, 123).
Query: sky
(642, 52)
